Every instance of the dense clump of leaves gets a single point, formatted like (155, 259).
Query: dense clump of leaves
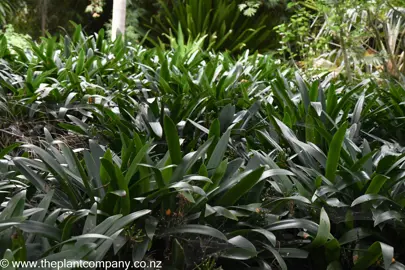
(198, 159)
(228, 25)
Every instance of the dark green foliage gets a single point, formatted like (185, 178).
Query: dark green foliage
(225, 26)
(197, 159)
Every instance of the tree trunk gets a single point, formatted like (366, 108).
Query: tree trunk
(44, 16)
(118, 21)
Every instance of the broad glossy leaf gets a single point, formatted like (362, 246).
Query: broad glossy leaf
(41, 229)
(219, 151)
(242, 187)
(31, 176)
(135, 162)
(139, 250)
(303, 88)
(277, 255)
(8, 149)
(172, 139)
(217, 176)
(91, 220)
(197, 229)
(9, 257)
(376, 184)
(335, 265)
(267, 234)
(189, 160)
(388, 215)
(353, 235)
(14, 207)
(226, 116)
(119, 182)
(368, 198)
(72, 253)
(243, 243)
(323, 233)
(373, 253)
(222, 211)
(44, 205)
(334, 153)
(125, 220)
(150, 226)
(286, 224)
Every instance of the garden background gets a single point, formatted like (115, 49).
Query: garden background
(209, 134)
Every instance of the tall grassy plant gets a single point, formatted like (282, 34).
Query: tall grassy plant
(226, 27)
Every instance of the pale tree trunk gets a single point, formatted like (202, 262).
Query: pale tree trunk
(118, 21)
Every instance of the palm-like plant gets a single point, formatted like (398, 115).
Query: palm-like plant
(222, 21)
(6, 8)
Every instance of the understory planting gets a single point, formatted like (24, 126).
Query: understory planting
(199, 159)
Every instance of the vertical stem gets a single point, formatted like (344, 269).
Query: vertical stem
(44, 15)
(346, 57)
(118, 21)
(341, 12)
